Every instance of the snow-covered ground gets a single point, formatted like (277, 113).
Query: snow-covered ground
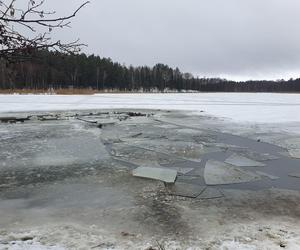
(239, 107)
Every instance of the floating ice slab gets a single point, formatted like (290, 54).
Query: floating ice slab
(293, 146)
(263, 174)
(219, 173)
(259, 156)
(293, 143)
(295, 153)
(242, 161)
(210, 193)
(186, 190)
(162, 174)
(297, 175)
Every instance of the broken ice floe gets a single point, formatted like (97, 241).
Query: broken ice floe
(295, 153)
(219, 173)
(241, 161)
(293, 146)
(184, 150)
(259, 156)
(185, 189)
(293, 143)
(296, 175)
(162, 174)
(263, 174)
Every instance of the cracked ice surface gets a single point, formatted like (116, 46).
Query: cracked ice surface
(99, 203)
(185, 150)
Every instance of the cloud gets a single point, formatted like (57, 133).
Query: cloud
(233, 38)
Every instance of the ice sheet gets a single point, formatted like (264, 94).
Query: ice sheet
(295, 153)
(297, 175)
(184, 150)
(272, 177)
(293, 143)
(219, 173)
(162, 174)
(241, 161)
(259, 156)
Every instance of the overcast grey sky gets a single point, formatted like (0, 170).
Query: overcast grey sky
(236, 39)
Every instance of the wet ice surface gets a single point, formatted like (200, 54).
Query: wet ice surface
(74, 172)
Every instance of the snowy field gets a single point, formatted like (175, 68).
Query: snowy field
(238, 107)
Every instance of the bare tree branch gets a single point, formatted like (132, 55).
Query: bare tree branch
(31, 10)
(17, 44)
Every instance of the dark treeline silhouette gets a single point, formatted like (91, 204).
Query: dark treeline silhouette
(57, 70)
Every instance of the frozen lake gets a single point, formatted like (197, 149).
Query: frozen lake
(66, 177)
(241, 107)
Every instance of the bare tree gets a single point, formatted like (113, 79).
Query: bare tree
(23, 30)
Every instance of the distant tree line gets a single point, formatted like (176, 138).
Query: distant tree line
(57, 70)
